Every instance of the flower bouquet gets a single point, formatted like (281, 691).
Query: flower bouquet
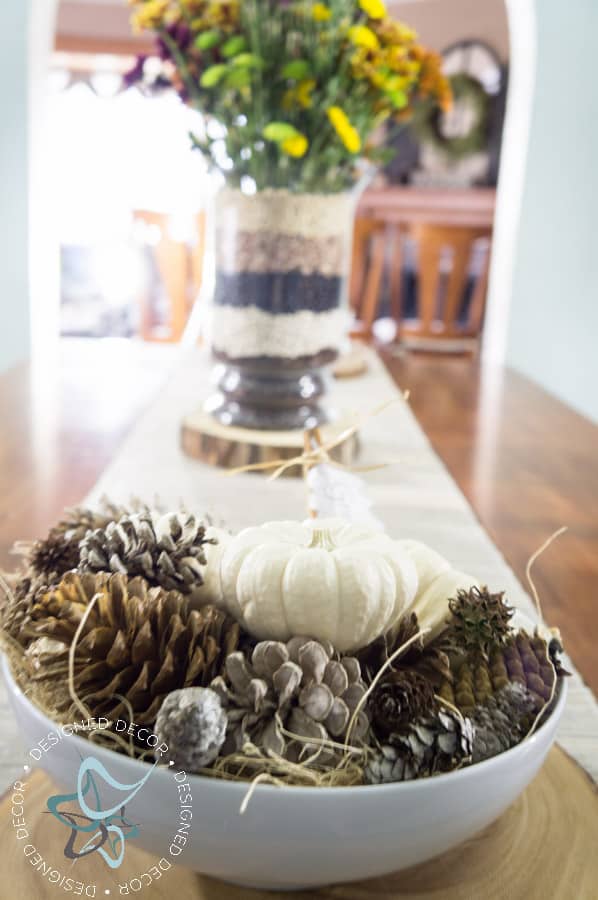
(293, 95)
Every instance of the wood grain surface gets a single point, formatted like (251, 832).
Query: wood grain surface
(542, 848)
(229, 447)
(528, 465)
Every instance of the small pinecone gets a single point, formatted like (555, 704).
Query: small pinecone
(373, 657)
(166, 550)
(480, 621)
(400, 698)
(299, 686)
(430, 661)
(434, 744)
(523, 658)
(502, 721)
(58, 553)
(138, 642)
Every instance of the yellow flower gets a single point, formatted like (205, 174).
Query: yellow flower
(300, 95)
(149, 15)
(303, 92)
(295, 146)
(375, 9)
(320, 12)
(362, 36)
(346, 132)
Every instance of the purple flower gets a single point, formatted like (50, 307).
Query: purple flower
(135, 74)
(180, 33)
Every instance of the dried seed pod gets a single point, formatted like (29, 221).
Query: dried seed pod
(192, 722)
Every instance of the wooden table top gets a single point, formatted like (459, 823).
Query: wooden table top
(408, 205)
(526, 462)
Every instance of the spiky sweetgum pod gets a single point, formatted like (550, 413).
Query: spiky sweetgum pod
(480, 621)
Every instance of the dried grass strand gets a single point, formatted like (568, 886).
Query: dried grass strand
(376, 679)
(530, 564)
(7, 589)
(71, 677)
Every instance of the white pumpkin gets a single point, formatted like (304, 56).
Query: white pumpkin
(437, 583)
(327, 579)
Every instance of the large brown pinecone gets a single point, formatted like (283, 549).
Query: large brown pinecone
(167, 550)
(400, 698)
(299, 686)
(523, 658)
(502, 721)
(137, 641)
(437, 743)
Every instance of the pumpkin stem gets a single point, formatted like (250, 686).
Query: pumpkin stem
(322, 539)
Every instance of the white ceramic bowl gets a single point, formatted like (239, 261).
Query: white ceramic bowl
(297, 837)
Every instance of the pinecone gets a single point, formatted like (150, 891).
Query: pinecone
(502, 721)
(430, 661)
(400, 698)
(138, 642)
(298, 686)
(438, 743)
(524, 658)
(167, 550)
(58, 552)
(480, 621)
(379, 651)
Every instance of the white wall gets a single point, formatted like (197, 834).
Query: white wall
(553, 328)
(440, 23)
(14, 295)
(29, 274)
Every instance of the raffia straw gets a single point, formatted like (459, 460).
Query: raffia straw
(321, 742)
(532, 560)
(71, 681)
(376, 679)
(321, 453)
(260, 778)
(450, 706)
(7, 588)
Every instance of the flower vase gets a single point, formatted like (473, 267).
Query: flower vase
(279, 313)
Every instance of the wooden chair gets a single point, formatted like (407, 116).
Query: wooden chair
(372, 239)
(443, 270)
(449, 259)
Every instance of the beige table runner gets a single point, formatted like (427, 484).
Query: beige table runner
(415, 497)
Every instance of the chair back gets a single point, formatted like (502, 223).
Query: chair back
(452, 278)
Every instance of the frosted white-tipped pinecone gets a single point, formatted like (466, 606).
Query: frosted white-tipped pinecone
(167, 550)
(502, 721)
(433, 744)
(298, 687)
(192, 723)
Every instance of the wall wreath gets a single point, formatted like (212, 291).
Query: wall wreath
(464, 131)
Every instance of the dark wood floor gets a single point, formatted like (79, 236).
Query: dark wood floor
(526, 463)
